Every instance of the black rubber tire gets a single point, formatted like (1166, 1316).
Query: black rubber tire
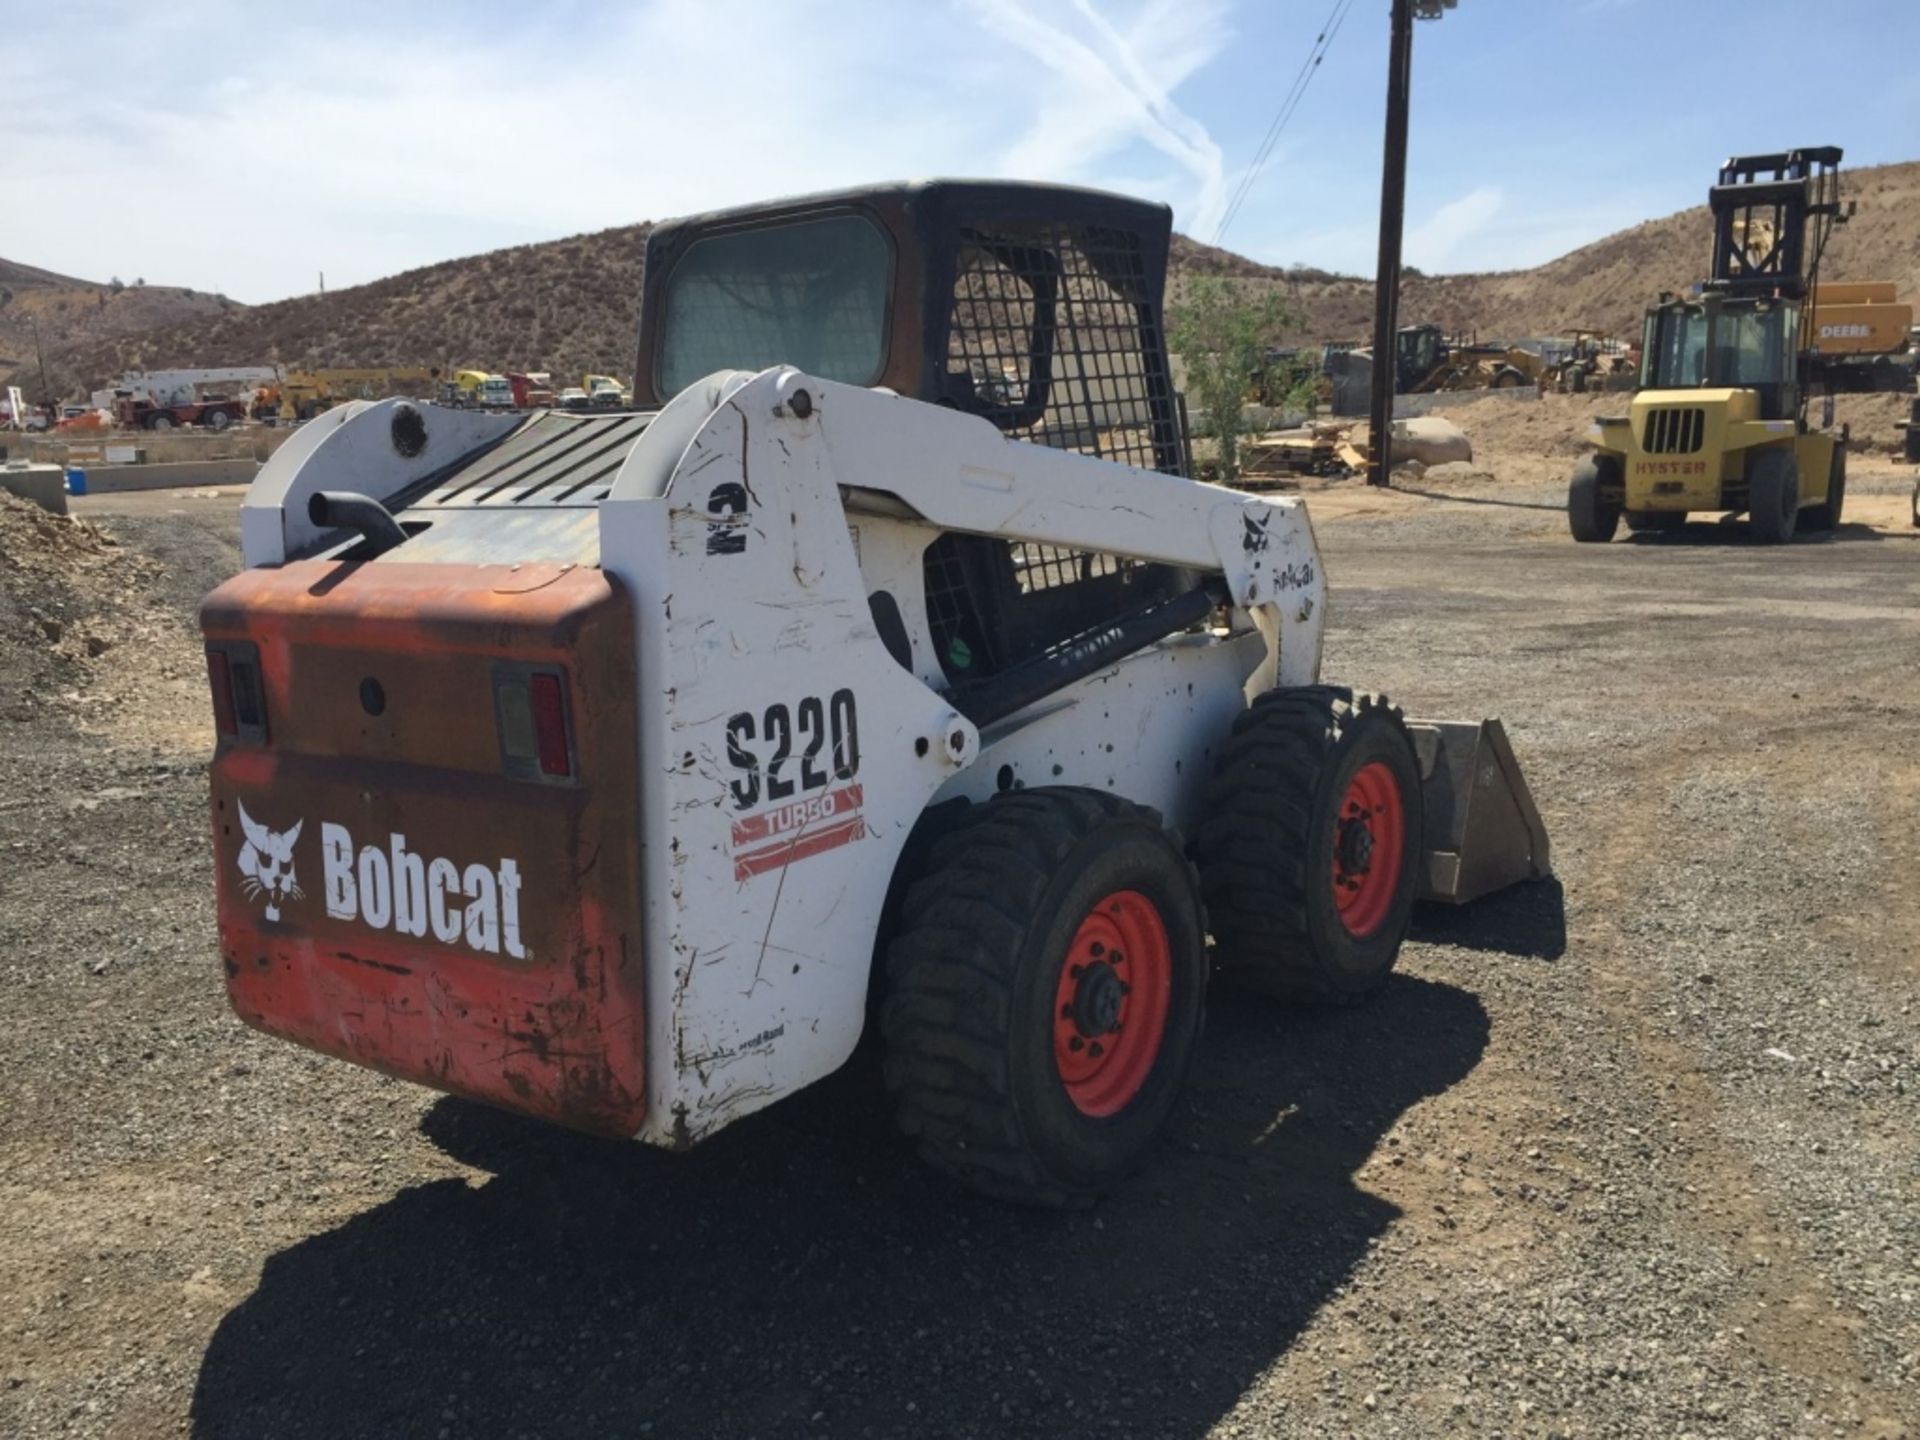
(1773, 495)
(1654, 522)
(1265, 847)
(160, 422)
(972, 974)
(216, 420)
(1508, 379)
(1591, 516)
(1826, 515)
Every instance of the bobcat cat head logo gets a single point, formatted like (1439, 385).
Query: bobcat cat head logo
(266, 860)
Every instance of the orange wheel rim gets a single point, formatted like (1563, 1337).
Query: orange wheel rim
(1369, 839)
(1111, 1003)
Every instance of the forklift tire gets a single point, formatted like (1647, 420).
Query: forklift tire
(1310, 852)
(1044, 994)
(1773, 495)
(1826, 515)
(1654, 522)
(1591, 516)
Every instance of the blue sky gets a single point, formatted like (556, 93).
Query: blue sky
(245, 152)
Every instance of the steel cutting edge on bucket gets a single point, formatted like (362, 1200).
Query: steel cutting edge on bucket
(1483, 832)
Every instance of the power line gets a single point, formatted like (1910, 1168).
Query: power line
(1273, 127)
(1288, 104)
(1322, 43)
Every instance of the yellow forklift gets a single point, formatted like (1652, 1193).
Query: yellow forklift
(1720, 418)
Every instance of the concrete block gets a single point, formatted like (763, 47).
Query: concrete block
(181, 475)
(44, 485)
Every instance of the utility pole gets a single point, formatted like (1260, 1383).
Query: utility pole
(1393, 209)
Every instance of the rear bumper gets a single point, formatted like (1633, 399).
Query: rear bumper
(386, 893)
(510, 993)
(556, 1047)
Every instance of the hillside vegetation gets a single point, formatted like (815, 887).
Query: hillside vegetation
(572, 305)
(1603, 286)
(569, 306)
(68, 315)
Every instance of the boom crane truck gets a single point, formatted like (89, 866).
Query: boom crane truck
(885, 661)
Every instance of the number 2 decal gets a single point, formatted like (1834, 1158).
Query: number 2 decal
(813, 725)
(832, 726)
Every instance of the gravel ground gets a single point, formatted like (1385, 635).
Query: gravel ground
(1630, 1153)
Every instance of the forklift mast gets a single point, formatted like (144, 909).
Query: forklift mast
(1772, 215)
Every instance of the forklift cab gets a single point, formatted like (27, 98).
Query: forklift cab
(1717, 342)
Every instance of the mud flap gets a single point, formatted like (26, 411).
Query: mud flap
(1482, 830)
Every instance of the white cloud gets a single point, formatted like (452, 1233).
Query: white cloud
(389, 139)
(1443, 239)
(387, 136)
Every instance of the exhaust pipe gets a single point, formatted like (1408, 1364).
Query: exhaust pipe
(366, 516)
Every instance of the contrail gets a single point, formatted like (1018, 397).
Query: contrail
(1116, 69)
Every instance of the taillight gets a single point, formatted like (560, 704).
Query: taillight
(221, 678)
(530, 705)
(239, 697)
(550, 722)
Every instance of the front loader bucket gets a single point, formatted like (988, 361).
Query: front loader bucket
(1482, 830)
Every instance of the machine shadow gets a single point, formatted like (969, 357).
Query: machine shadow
(1527, 920)
(1558, 507)
(803, 1273)
(1735, 533)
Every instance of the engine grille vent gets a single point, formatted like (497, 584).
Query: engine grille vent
(1674, 432)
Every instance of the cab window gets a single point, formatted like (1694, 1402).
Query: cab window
(809, 293)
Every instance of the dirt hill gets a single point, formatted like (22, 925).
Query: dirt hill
(1604, 286)
(571, 305)
(15, 276)
(67, 315)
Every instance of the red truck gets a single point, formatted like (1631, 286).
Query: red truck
(213, 412)
(532, 391)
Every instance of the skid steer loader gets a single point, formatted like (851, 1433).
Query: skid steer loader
(614, 768)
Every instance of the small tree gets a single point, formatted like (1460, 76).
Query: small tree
(1221, 332)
